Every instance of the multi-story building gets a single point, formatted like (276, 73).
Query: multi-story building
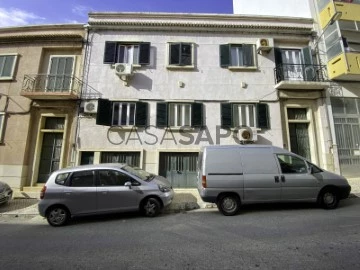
(40, 84)
(171, 83)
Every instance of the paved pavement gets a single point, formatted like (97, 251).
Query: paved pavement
(184, 200)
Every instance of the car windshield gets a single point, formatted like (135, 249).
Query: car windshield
(140, 173)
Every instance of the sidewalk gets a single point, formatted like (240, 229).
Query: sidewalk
(184, 200)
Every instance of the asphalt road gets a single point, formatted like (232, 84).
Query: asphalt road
(260, 237)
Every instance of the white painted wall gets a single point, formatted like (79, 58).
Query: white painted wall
(288, 8)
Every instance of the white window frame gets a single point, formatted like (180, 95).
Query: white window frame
(191, 66)
(2, 125)
(237, 64)
(131, 54)
(250, 120)
(128, 114)
(72, 72)
(177, 114)
(11, 77)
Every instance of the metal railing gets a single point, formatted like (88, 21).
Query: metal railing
(46, 83)
(298, 72)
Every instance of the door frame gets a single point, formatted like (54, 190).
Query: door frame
(310, 106)
(39, 142)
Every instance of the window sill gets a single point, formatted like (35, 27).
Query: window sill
(133, 65)
(182, 129)
(181, 67)
(124, 127)
(6, 78)
(236, 68)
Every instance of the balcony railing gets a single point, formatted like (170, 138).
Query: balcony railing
(45, 86)
(297, 72)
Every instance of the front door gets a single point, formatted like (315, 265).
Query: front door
(60, 74)
(297, 183)
(113, 195)
(179, 169)
(299, 132)
(50, 155)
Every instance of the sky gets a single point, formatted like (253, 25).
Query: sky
(31, 12)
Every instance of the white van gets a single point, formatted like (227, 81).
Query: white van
(240, 174)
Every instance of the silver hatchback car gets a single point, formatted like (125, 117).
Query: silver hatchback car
(100, 189)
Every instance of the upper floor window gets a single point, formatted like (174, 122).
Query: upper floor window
(237, 55)
(115, 113)
(250, 115)
(179, 114)
(136, 53)
(181, 54)
(60, 72)
(7, 66)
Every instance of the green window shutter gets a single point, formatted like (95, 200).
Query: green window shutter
(141, 116)
(278, 58)
(161, 114)
(263, 116)
(308, 68)
(174, 54)
(224, 55)
(196, 114)
(104, 112)
(144, 57)
(306, 56)
(226, 115)
(110, 52)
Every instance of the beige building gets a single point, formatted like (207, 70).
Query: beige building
(40, 84)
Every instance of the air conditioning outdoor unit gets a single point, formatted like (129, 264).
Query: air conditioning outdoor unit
(122, 69)
(247, 134)
(90, 106)
(264, 45)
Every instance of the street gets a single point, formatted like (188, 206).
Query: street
(259, 237)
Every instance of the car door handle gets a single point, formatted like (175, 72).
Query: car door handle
(282, 178)
(68, 193)
(276, 179)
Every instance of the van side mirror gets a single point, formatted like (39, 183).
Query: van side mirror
(128, 184)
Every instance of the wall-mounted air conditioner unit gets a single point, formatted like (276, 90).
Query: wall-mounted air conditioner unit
(247, 134)
(90, 106)
(122, 69)
(264, 45)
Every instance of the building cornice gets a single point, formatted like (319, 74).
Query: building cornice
(199, 22)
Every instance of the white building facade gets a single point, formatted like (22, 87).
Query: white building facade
(171, 83)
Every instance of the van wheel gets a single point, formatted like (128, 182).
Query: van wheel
(228, 205)
(58, 216)
(329, 198)
(151, 207)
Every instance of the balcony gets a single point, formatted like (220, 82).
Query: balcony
(345, 67)
(51, 87)
(300, 77)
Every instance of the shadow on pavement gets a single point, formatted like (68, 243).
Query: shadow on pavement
(16, 204)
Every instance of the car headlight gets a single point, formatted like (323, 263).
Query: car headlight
(164, 188)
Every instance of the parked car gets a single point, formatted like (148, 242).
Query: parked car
(242, 174)
(5, 193)
(102, 188)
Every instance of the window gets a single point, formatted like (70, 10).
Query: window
(130, 158)
(114, 113)
(126, 52)
(251, 115)
(113, 178)
(291, 164)
(179, 114)
(2, 126)
(82, 179)
(61, 178)
(181, 54)
(7, 66)
(237, 55)
(244, 115)
(60, 73)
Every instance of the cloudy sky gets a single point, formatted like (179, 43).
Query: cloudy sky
(29, 12)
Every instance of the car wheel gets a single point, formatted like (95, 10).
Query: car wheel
(58, 216)
(151, 207)
(329, 199)
(228, 205)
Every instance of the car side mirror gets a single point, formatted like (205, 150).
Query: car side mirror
(311, 170)
(128, 184)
